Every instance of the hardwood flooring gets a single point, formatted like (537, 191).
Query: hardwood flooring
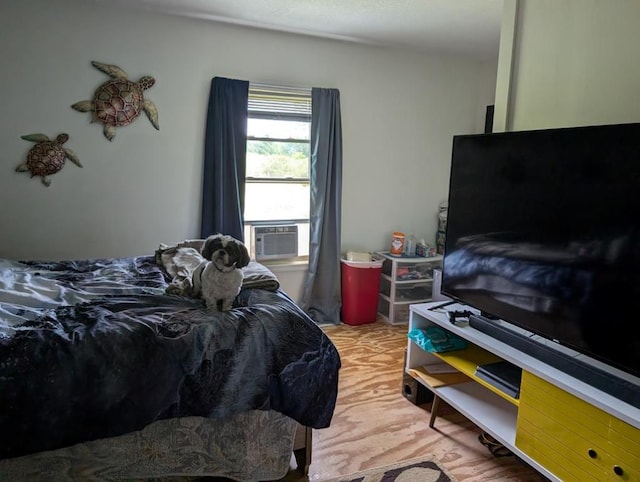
(375, 425)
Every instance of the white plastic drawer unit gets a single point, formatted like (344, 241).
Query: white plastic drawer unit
(410, 270)
(404, 280)
(394, 313)
(407, 292)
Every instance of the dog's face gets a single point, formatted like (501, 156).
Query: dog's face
(226, 252)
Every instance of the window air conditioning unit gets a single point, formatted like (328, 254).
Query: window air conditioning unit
(274, 242)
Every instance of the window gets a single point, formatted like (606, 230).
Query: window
(278, 142)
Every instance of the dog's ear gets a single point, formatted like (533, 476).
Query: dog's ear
(211, 245)
(243, 255)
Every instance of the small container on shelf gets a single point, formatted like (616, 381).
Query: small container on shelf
(410, 246)
(424, 250)
(397, 244)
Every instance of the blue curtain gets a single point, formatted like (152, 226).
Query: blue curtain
(321, 290)
(225, 158)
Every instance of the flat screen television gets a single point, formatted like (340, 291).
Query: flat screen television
(543, 232)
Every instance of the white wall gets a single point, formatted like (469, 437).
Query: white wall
(399, 111)
(576, 62)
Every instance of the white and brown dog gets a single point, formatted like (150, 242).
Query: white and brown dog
(219, 278)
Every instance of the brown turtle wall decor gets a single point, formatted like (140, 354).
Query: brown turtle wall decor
(119, 101)
(47, 157)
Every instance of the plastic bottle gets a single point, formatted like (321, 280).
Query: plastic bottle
(410, 249)
(421, 248)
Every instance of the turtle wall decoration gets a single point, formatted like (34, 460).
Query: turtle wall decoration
(47, 157)
(119, 101)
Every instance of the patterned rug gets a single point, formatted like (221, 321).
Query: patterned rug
(416, 470)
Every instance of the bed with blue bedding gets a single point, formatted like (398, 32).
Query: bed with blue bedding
(102, 358)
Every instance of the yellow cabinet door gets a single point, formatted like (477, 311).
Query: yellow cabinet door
(573, 439)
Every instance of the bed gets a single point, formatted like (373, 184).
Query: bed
(109, 369)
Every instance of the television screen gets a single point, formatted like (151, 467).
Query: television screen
(543, 232)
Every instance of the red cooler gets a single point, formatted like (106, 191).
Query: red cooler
(360, 287)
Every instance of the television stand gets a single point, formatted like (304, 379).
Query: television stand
(562, 426)
(565, 362)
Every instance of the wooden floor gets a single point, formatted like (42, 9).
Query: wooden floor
(375, 425)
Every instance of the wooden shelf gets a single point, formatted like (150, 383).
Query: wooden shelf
(484, 408)
(439, 379)
(467, 360)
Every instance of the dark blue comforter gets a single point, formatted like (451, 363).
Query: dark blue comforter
(114, 363)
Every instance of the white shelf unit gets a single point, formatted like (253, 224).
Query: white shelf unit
(494, 415)
(489, 408)
(404, 280)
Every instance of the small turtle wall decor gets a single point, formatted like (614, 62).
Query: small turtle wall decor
(47, 157)
(119, 101)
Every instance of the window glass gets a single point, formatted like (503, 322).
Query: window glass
(277, 159)
(279, 129)
(276, 201)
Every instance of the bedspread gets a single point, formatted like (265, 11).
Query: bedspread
(249, 446)
(86, 355)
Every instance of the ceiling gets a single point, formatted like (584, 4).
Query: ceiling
(466, 27)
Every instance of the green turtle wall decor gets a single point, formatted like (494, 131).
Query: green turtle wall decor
(47, 157)
(119, 101)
